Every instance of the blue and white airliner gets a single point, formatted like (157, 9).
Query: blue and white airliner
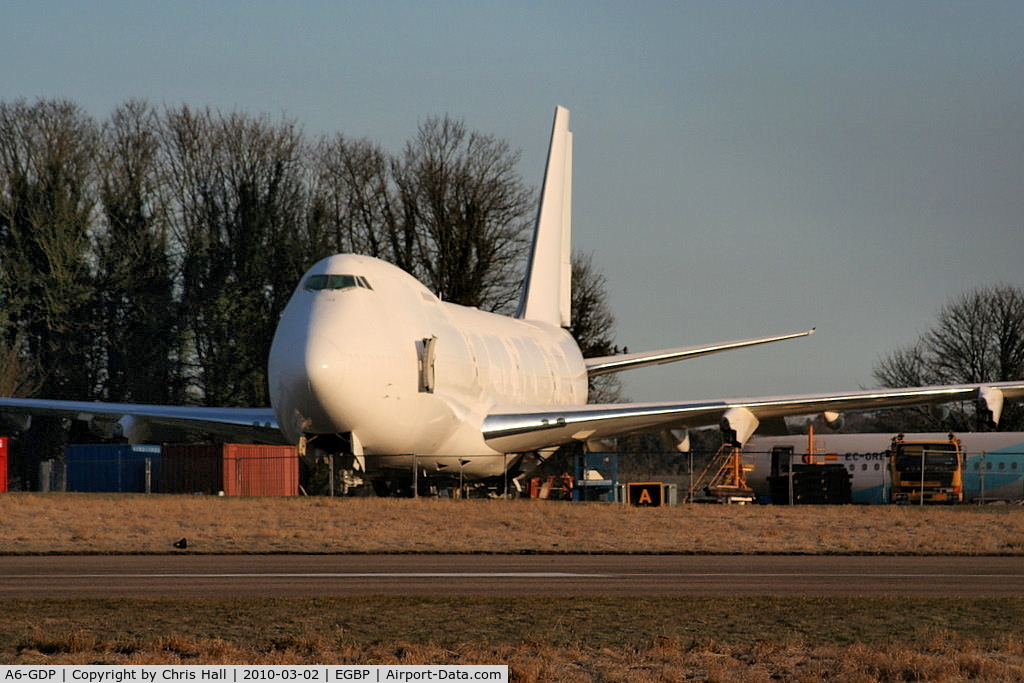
(993, 462)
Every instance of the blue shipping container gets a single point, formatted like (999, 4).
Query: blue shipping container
(113, 468)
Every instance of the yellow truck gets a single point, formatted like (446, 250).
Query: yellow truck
(926, 472)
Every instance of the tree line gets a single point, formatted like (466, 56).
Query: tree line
(146, 257)
(977, 337)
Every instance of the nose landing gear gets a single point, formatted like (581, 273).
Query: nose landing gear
(330, 465)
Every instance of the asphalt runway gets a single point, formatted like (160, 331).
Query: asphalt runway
(274, 576)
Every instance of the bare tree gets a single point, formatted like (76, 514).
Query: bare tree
(978, 337)
(138, 339)
(593, 324)
(468, 208)
(47, 198)
(451, 210)
(352, 203)
(238, 194)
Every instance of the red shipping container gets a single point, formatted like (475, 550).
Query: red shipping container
(235, 469)
(256, 470)
(3, 464)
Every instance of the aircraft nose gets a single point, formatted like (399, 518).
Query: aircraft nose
(323, 365)
(304, 369)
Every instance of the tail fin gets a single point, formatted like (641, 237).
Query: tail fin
(547, 293)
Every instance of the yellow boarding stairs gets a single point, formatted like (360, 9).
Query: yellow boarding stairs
(724, 477)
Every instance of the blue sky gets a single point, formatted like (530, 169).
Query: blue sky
(741, 168)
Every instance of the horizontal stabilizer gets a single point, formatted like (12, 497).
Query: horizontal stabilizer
(630, 361)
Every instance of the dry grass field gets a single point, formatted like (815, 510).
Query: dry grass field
(589, 639)
(564, 639)
(115, 523)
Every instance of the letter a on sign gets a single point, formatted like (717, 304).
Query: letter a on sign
(647, 494)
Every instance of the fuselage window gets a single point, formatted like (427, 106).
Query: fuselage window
(319, 282)
(877, 467)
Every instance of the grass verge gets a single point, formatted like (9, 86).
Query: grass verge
(582, 639)
(125, 523)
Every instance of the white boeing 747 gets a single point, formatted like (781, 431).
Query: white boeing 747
(368, 362)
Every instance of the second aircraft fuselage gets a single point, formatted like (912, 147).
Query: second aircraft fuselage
(364, 348)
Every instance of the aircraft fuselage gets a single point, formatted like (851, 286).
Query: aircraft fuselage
(365, 349)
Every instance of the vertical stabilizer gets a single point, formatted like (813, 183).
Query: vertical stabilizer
(547, 290)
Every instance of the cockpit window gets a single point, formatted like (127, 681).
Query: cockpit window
(318, 282)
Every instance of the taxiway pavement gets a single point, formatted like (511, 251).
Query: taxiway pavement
(271, 576)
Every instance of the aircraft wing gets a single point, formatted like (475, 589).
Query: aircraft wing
(136, 422)
(604, 365)
(547, 426)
